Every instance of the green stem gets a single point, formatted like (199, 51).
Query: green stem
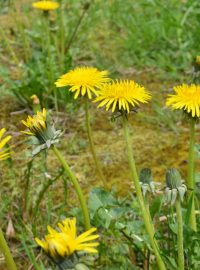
(50, 62)
(76, 186)
(146, 201)
(191, 181)
(92, 148)
(43, 192)
(62, 37)
(180, 235)
(75, 31)
(27, 178)
(48, 44)
(6, 251)
(146, 217)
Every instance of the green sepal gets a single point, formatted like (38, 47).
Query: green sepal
(173, 178)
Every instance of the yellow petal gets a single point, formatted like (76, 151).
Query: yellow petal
(4, 141)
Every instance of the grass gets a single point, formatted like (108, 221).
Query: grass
(155, 34)
(153, 42)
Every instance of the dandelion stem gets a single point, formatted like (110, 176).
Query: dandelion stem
(43, 192)
(191, 181)
(92, 148)
(76, 186)
(50, 59)
(76, 28)
(146, 217)
(62, 36)
(6, 252)
(180, 235)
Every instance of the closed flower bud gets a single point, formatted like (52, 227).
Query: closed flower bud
(146, 181)
(173, 178)
(174, 186)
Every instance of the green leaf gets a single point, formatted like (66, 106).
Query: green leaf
(173, 227)
(156, 206)
(189, 209)
(99, 198)
(81, 266)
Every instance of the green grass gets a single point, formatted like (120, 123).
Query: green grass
(154, 42)
(162, 35)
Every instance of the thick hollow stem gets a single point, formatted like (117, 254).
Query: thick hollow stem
(146, 217)
(6, 252)
(191, 181)
(92, 148)
(76, 186)
(180, 236)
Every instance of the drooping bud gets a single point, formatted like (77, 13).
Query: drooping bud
(174, 186)
(146, 181)
(145, 176)
(173, 178)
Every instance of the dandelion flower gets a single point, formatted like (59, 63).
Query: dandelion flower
(187, 98)
(83, 81)
(36, 123)
(39, 127)
(63, 243)
(45, 5)
(122, 95)
(4, 151)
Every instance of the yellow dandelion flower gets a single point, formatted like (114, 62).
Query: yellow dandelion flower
(45, 5)
(65, 242)
(36, 123)
(39, 127)
(4, 152)
(187, 98)
(83, 81)
(121, 95)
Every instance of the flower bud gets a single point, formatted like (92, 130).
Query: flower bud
(174, 186)
(146, 181)
(173, 178)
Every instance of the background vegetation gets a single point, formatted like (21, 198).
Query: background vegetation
(152, 42)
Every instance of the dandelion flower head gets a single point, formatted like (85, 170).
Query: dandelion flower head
(121, 95)
(187, 98)
(4, 151)
(83, 81)
(36, 123)
(63, 243)
(45, 5)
